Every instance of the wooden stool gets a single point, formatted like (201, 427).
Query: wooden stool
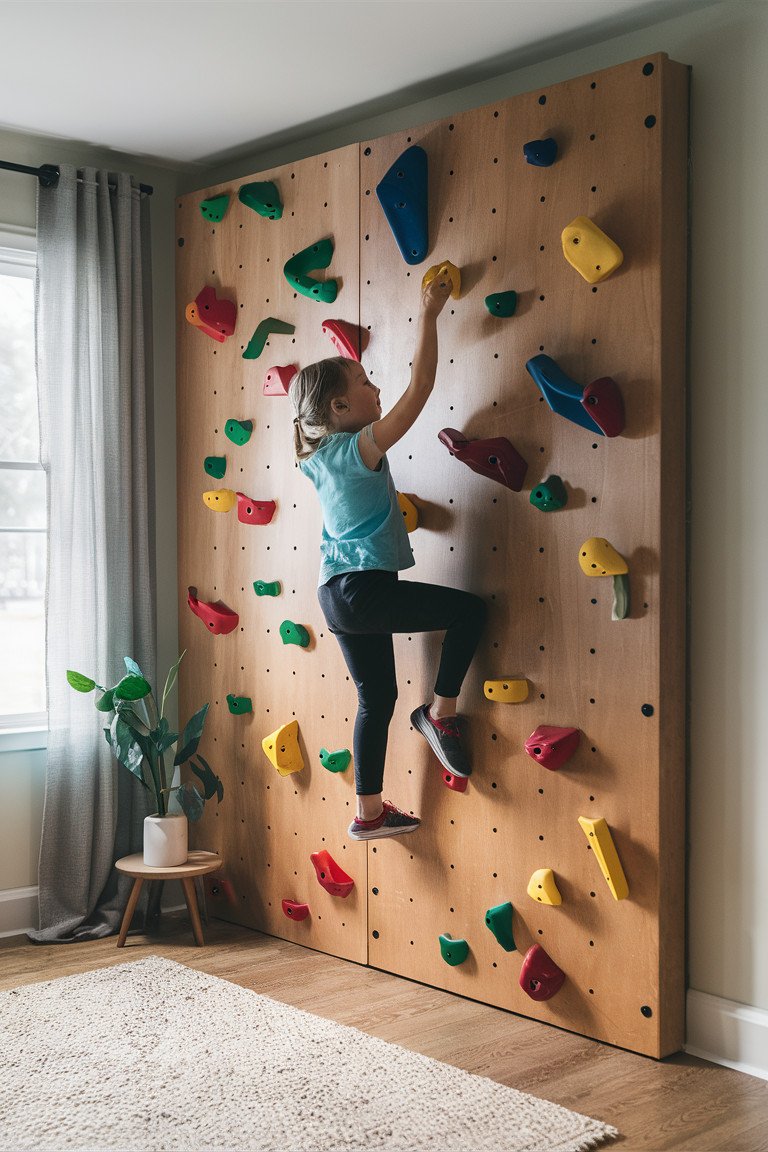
(198, 864)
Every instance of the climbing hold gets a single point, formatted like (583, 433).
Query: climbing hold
(335, 761)
(455, 783)
(218, 887)
(238, 431)
(499, 920)
(410, 512)
(254, 511)
(215, 466)
(601, 842)
(295, 911)
(291, 633)
(263, 331)
(602, 400)
(444, 269)
(220, 499)
(263, 197)
(330, 876)
(542, 153)
(278, 378)
(598, 407)
(549, 495)
(501, 303)
(217, 617)
(239, 705)
(587, 248)
(599, 558)
(506, 691)
(213, 316)
(453, 951)
(540, 977)
(348, 339)
(402, 193)
(263, 589)
(551, 746)
(497, 458)
(542, 887)
(315, 256)
(215, 208)
(282, 748)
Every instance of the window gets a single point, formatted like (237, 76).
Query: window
(23, 513)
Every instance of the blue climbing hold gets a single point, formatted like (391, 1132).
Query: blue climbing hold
(403, 195)
(542, 153)
(563, 395)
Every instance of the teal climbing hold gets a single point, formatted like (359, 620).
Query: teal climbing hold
(549, 495)
(263, 589)
(215, 208)
(335, 761)
(216, 466)
(239, 705)
(402, 193)
(262, 334)
(291, 633)
(453, 951)
(499, 920)
(239, 431)
(315, 256)
(263, 197)
(501, 303)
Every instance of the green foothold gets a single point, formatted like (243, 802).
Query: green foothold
(239, 431)
(499, 920)
(215, 208)
(291, 633)
(501, 303)
(263, 197)
(262, 333)
(262, 589)
(620, 609)
(335, 761)
(453, 951)
(315, 256)
(216, 466)
(238, 705)
(549, 495)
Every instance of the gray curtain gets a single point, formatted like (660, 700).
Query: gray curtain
(93, 320)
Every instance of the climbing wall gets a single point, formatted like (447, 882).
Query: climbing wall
(621, 161)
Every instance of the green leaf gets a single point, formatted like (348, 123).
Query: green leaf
(191, 736)
(210, 781)
(171, 680)
(132, 687)
(133, 667)
(191, 801)
(79, 682)
(105, 702)
(126, 749)
(132, 720)
(164, 742)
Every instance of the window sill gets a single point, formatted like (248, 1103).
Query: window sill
(23, 739)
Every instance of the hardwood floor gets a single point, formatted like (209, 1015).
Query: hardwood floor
(679, 1103)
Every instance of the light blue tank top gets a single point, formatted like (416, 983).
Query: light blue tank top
(363, 526)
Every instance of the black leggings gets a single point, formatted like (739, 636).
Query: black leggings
(363, 609)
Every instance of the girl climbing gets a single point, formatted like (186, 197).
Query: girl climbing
(341, 440)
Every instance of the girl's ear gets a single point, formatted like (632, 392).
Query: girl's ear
(339, 405)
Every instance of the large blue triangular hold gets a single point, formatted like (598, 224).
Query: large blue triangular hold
(561, 393)
(403, 194)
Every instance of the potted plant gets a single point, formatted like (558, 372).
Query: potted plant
(141, 737)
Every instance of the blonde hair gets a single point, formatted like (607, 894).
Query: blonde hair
(311, 392)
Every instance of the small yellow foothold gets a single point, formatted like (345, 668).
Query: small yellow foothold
(599, 558)
(599, 836)
(444, 269)
(410, 512)
(587, 248)
(542, 887)
(282, 748)
(220, 499)
(506, 691)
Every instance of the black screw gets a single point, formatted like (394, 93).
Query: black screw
(647, 709)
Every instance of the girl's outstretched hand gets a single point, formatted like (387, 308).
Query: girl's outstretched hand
(434, 296)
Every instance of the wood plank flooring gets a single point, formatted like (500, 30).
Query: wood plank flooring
(680, 1103)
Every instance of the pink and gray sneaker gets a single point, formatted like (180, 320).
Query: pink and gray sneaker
(444, 738)
(391, 822)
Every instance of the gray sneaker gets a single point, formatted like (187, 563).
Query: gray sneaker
(392, 822)
(444, 738)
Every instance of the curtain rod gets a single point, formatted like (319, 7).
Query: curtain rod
(48, 175)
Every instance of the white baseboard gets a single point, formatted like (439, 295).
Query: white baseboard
(18, 911)
(728, 1033)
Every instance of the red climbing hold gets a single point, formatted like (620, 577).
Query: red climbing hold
(217, 887)
(455, 783)
(497, 458)
(540, 977)
(295, 911)
(333, 878)
(602, 400)
(552, 747)
(254, 511)
(348, 339)
(217, 617)
(214, 317)
(278, 378)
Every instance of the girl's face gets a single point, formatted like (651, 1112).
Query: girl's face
(360, 405)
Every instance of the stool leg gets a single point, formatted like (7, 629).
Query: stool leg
(191, 897)
(133, 900)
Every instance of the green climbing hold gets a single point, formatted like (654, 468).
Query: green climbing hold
(620, 609)
(216, 466)
(291, 633)
(263, 197)
(499, 920)
(453, 951)
(215, 208)
(262, 589)
(262, 333)
(549, 495)
(238, 705)
(501, 303)
(335, 761)
(315, 256)
(239, 431)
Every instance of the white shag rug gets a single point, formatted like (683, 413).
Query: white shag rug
(152, 1055)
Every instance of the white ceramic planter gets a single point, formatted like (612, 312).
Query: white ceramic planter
(165, 840)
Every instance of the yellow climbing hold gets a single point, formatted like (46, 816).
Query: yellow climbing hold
(220, 499)
(282, 748)
(587, 248)
(599, 558)
(542, 887)
(601, 842)
(444, 269)
(506, 691)
(410, 512)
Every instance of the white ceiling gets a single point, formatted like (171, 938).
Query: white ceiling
(201, 81)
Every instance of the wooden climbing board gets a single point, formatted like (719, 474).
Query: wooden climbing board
(622, 161)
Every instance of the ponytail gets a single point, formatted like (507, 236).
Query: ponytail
(311, 392)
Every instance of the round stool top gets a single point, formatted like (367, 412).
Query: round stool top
(198, 864)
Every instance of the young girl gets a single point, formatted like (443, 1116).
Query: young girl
(341, 440)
